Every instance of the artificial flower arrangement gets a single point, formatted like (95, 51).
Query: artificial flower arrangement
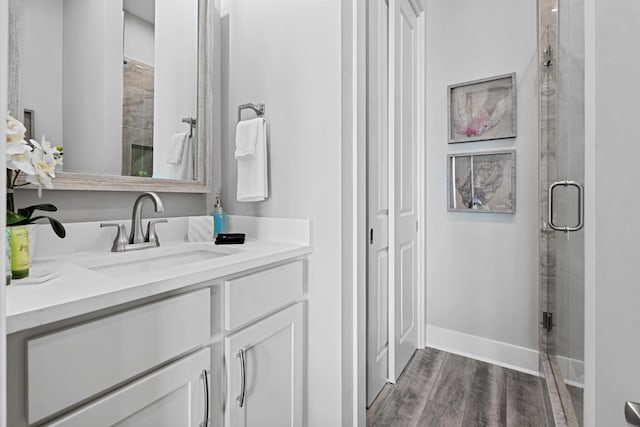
(37, 160)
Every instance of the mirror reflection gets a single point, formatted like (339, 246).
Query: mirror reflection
(114, 83)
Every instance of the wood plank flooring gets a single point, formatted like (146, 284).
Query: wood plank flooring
(439, 389)
(577, 402)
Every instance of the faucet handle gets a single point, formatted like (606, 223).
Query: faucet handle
(121, 240)
(151, 230)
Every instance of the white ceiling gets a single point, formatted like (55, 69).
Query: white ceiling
(143, 9)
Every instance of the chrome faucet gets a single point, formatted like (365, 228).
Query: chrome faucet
(137, 235)
(138, 239)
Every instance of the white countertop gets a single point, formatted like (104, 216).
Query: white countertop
(79, 290)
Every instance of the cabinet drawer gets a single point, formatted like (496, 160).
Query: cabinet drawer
(252, 296)
(66, 367)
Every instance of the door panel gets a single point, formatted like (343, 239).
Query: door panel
(561, 171)
(407, 283)
(403, 133)
(408, 88)
(378, 202)
(382, 307)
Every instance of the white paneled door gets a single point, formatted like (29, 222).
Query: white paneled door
(378, 201)
(403, 96)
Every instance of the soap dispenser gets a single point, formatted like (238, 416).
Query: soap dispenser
(219, 217)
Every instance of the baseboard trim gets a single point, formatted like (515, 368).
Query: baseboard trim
(486, 350)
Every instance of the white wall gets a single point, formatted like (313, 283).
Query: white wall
(41, 90)
(288, 56)
(138, 39)
(176, 75)
(92, 86)
(482, 269)
(611, 218)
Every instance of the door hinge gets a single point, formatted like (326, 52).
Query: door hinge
(547, 321)
(371, 236)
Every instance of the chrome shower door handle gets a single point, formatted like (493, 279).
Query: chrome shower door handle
(566, 228)
(632, 413)
(243, 378)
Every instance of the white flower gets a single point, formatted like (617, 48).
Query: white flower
(37, 160)
(22, 162)
(51, 152)
(15, 129)
(44, 159)
(17, 149)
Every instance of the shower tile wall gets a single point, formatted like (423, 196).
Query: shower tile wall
(137, 120)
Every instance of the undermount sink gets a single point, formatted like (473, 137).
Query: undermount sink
(154, 259)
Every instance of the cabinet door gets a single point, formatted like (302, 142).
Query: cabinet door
(174, 396)
(271, 375)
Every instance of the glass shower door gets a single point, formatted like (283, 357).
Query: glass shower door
(562, 175)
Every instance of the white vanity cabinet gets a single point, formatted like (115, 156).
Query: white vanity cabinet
(264, 348)
(171, 359)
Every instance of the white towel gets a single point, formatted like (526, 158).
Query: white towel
(180, 164)
(253, 185)
(176, 148)
(247, 132)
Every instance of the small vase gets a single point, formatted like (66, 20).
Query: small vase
(20, 261)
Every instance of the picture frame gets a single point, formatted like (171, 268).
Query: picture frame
(482, 109)
(482, 182)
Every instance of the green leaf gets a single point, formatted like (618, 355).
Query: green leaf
(28, 211)
(57, 226)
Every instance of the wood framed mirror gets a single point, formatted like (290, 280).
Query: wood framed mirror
(106, 54)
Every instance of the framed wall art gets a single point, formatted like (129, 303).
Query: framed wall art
(482, 182)
(482, 109)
